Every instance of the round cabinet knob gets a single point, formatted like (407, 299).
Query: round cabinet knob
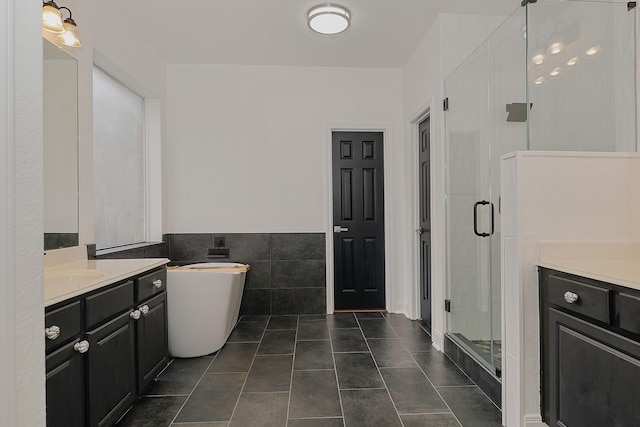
(81, 347)
(570, 297)
(52, 332)
(157, 284)
(135, 314)
(144, 309)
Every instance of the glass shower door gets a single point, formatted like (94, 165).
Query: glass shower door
(487, 118)
(470, 211)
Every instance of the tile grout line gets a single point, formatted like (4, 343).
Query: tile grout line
(249, 370)
(293, 364)
(378, 368)
(429, 379)
(335, 372)
(194, 387)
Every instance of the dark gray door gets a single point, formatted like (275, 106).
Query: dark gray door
(424, 130)
(358, 219)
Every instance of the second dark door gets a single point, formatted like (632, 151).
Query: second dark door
(424, 230)
(358, 219)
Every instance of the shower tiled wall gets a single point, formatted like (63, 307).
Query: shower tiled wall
(287, 274)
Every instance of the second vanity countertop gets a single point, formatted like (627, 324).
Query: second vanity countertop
(612, 262)
(69, 280)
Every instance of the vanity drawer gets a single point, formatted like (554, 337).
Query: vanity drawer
(151, 284)
(628, 308)
(109, 303)
(592, 301)
(62, 323)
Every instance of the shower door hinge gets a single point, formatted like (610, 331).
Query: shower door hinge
(631, 5)
(447, 305)
(445, 104)
(526, 2)
(498, 372)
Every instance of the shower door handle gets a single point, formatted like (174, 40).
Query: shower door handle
(475, 218)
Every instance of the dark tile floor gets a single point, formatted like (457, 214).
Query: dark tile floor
(362, 369)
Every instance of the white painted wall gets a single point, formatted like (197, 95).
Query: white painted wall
(247, 146)
(22, 389)
(422, 91)
(553, 196)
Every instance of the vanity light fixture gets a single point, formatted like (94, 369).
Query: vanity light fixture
(67, 30)
(52, 17)
(70, 36)
(328, 18)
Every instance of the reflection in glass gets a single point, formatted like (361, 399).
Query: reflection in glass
(60, 140)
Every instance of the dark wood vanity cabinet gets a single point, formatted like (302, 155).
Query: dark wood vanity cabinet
(590, 352)
(65, 387)
(151, 328)
(114, 345)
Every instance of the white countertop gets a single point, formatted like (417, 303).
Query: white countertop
(75, 278)
(611, 262)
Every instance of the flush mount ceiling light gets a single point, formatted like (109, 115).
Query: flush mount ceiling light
(328, 18)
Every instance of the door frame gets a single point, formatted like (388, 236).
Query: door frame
(387, 137)
(415, 150)
(438, 251)
(415, 178)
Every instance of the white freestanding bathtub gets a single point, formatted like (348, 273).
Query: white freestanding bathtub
(203, 303)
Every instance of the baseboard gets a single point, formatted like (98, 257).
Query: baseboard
(534, 421)
(437, 339)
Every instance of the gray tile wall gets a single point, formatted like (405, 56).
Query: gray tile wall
(60, 240)
(287, 274)
(156, 250)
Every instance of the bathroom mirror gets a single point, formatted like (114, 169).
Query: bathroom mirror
(60, 140)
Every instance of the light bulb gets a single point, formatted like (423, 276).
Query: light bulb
(538, 59)
(556, 47)
(573, 61)
(555, 72)
(592, 50)
(52, 18)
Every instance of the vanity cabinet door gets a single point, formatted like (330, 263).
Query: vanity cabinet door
(111, 370)
(153, 353)
(593, 373)
(65, 388)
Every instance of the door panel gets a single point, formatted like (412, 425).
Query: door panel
(425, 220)
(358, 218)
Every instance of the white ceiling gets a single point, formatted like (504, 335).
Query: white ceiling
(383, 33)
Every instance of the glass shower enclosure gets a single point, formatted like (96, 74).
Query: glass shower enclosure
(555, 75)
